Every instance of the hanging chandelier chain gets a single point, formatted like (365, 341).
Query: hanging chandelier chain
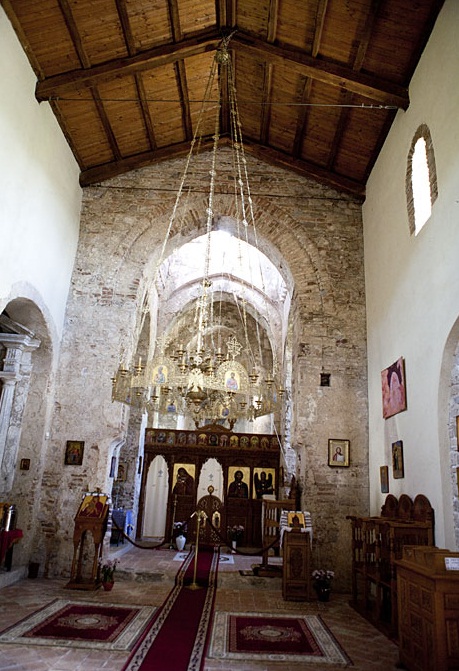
(196, 379)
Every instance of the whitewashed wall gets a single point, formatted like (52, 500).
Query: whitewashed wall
(412, 284)
(40, 197)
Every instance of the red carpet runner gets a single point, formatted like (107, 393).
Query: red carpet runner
(176, 640)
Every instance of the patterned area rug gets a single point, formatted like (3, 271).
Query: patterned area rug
(276, 638)
(81, 624)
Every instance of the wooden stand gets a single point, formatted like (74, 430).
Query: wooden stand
(428, 609)
(296, 574)
(92, 517)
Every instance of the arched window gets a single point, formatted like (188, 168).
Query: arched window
(421, 179)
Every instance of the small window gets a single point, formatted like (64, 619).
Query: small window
(421, 179)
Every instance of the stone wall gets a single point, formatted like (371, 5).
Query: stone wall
(314, 235)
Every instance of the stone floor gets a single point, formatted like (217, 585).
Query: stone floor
(146, 577)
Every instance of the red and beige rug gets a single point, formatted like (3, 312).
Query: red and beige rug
(262, 637)
(82, 625)
(178, 636)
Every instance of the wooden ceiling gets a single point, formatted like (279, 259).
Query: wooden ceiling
(318, 81)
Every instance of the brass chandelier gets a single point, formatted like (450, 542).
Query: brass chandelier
(203, 378)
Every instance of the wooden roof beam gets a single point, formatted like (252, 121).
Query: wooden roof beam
(374, 88)
(53, 87)
(304, 168)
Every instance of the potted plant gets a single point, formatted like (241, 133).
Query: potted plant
(322, 583)
(235, 534)
(107, 573)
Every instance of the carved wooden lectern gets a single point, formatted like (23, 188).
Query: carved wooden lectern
(92, 516)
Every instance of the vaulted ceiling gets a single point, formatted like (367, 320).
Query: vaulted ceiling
(318, 81)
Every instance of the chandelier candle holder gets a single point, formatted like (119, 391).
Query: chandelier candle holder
(214, 377)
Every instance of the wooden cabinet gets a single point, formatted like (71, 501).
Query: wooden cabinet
(296, 571)
(428, 610)
(377, 543)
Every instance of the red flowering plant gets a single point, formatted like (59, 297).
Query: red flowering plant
(107, 569)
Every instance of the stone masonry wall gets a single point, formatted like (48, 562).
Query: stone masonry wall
(313, 234)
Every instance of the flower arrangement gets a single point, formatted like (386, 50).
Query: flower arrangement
(235, 532)
(107, 569)
(322, 576)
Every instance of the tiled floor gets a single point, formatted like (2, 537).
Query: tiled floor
(146, 577)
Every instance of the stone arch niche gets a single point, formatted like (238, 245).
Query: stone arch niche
(26, 394)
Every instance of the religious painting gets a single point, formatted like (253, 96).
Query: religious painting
(183, 478)
(384, 479)
(160, 375)
(338, 452)
(393, 388)
(264, 482)
(74, 453)
(398, 470)
(244, 441)
(234, 441)
(93, 505)
(296, 519)
(25, 464)
(122, 472)
(239, 481)
(232, 381)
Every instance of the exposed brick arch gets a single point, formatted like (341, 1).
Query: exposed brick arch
(279, 236)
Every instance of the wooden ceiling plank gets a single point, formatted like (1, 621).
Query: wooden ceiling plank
(53, 87)
(307, 169)
(320, 20)
(107, 171)
(382, 92)
(347, 97)
(18, 29)
(146, 112)
(339, 129)
(74, 33)
(273, 16)
(302, 119)
(126, 26)
(131, 48)
(106, 124)
(266, 108)
(366, 34)
(174, 19)
(180, 73)
(304, 168)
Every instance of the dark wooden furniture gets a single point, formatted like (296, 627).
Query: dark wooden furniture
(296, 571)
(428, 609)
(377, 543)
